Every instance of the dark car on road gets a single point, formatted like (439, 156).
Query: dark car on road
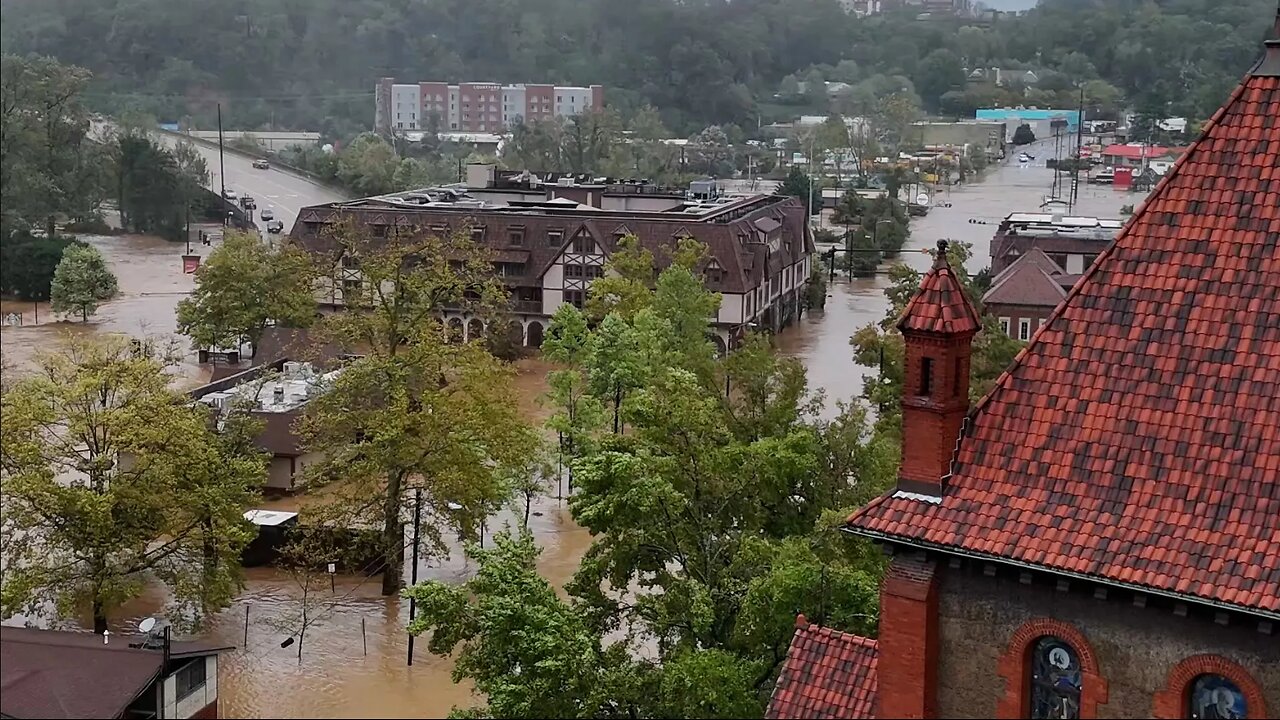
(275, 227)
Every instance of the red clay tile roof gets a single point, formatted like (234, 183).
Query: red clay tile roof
(940, 306)
(1137, 439)
(827, 674)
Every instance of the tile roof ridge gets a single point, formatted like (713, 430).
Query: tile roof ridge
(1174, 172)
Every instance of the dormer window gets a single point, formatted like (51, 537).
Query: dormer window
(515, 236)
(555, 237)
(477, 234)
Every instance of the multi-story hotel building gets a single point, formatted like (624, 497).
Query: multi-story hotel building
(474, 106)
(550, 236)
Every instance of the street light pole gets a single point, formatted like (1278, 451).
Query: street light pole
(222, 165)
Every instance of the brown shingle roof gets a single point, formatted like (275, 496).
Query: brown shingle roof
(728, 241)
(1137, 439)
(941, 305)
(1028, 281)
(827, 674)
(55, 674)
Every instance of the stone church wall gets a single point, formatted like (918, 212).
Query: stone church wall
(1136, 647)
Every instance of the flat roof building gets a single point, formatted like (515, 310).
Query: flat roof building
(473, 107)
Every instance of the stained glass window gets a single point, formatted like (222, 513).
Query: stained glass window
(1213, 696)
(1055, 679)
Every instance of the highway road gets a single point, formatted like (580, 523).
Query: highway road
(284, 192)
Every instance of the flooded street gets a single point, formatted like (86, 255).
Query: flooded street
(353, 657)
(821, 340)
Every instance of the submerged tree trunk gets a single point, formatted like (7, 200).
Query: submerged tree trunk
(99, 611)
(392, 536)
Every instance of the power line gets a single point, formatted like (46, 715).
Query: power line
(171, 96)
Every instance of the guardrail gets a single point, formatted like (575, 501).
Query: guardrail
(269, 157)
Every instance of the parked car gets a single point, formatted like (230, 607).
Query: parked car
(268, 214)
(275, 227)
(261, 164)
(229, 194)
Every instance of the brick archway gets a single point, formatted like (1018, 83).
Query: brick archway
(1171, 702)
(1015, 667)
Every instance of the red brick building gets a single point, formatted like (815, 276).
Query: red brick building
(1100, 535)
(1023, 295)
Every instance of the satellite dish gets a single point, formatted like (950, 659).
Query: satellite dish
(147, 624)
(922, 199)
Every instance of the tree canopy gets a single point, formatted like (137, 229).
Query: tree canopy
(110, 478)
(244, 287)
(712, 492)
(314, 64)
(81, 281)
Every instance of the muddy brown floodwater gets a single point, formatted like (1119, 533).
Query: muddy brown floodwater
(354, 657)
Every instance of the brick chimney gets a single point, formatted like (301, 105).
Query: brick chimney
(908, 666)
(937, 331)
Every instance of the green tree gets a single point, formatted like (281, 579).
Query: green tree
(577, 413)
(798, 184)
(625, 287)
(28, 262)
(81, 281)
(111, 478)
(381, 425)
(368, 165)
(938, 72)
(1023, 135)
(45, 154)
(614, 368)
(243, 288)
(400, 283)
(435, 416)
(531, 654)
(154, 193)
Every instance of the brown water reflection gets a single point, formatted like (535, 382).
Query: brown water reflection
(821, 340)
(335, 677)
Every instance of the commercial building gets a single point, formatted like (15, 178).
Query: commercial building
(475, 107)
(273, 393)
(59, 675)
(1097, 537)
(1070, 241)
(1043, 122)
(551, 235)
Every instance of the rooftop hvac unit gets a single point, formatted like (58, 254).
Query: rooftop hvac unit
(277, 392)
(292, 368)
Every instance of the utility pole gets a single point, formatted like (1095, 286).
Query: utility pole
(413, 573)
(811, 171)
(222, 164)
(1075, 166)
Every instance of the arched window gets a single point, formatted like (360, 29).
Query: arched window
(1055, 679)
(1214, 696)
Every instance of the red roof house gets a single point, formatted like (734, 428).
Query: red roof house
(1100, 535)
(827, 674)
